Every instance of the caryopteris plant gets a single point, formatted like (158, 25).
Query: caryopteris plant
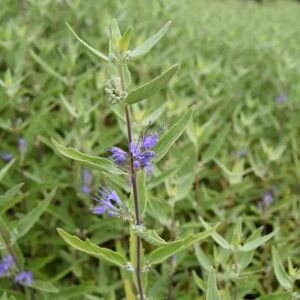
(134, 163)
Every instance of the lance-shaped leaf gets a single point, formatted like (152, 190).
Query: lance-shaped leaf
(212, 289)
(149, 43)
(280, 273)
(149, 235)
(26, 222)
(218, 238)
(94, 51)
(125, 40)
(215, 145)
(152, 87)
(170, 137)
(253, 244)
(100, 163)
(44, 286)
(5, 169)
(10, 198)
(275, 296)
(160, 254)
(92, 249)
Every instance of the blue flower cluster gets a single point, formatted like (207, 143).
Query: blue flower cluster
(142, 153)
(109, 202)
(6, 266)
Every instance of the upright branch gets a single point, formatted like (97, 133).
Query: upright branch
(138, 270)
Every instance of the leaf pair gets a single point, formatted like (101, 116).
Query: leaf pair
(123, 42)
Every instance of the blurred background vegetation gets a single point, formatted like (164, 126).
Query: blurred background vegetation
(239, 65)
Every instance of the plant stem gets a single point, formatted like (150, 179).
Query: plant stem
(15, 259)
(235, 284)
(138, 220)
(172, 258)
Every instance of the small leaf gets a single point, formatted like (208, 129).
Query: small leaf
(202, 258)
(170, 137)
(200, 283)
(212, 289)
(125, 40)
(92, 249)
(5, 169)
(101, 163)
(114, 38)
(276, 296)
(47, 67)
(215, 145)
(70, 108)
(280, 273)
(94, 51)
(150, 235)
(27, 221)
(218, 239)
(257, 242)
(149, 43)
(160, 254)
(152, 87)
(10, 198)
(44, 286)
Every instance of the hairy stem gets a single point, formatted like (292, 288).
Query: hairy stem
(138, 220)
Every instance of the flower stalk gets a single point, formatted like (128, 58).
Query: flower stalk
(138, 221)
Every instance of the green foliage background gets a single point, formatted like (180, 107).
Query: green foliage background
(236, 58)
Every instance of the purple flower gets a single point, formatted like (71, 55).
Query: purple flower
(86, 181)
(85, 189)
(24, 278)
(282, 98)
(6, 156)
(149, 141)
(109, 202)
(5, 265)
(268, 198)
(134, 149)
(21, 144)
(87, 177)
(118, 155)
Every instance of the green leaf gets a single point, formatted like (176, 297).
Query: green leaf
(170, 137)
(215, 145)
(202, 258)
(101, 163)
(47, 67)
(92, 249)
(280, 273)
(5, 169)
(160, 254)
(149, 235)
(114, 38)
(212, 289)
(200, 283)
(10, 198)
(149, 43)
(94, 51)
(125, 40)
(27, 222)
(277, 296)
(248, 246)
(218, 239)
(152, 87)
(44, 286)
